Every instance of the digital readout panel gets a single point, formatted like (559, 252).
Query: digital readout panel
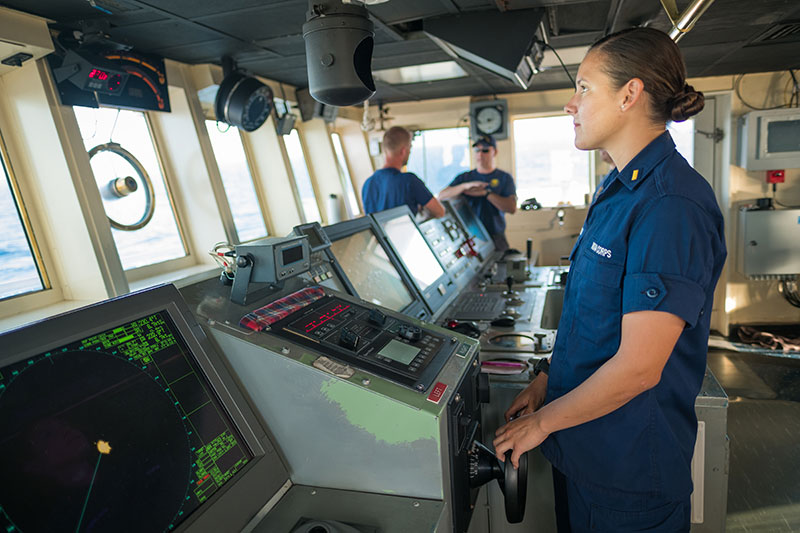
(119, 431)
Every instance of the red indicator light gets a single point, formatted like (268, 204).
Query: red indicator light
(314, 324)
(98, 74)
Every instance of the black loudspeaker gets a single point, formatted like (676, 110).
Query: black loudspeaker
(243, 101)
(339, 41)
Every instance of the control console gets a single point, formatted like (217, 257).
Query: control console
(365, 337)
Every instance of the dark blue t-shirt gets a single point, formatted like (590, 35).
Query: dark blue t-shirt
(388, 188)
(653, 241)
(499, 183)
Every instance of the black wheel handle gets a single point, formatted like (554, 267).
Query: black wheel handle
(515, 488)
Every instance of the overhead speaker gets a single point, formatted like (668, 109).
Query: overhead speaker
(243, 101)
(339, 42)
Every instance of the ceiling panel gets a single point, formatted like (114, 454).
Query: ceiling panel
(164, 34)
(202, 8)
(395, 11)
(263, 23)
(265, 36)
(287, 45)
(212, 51)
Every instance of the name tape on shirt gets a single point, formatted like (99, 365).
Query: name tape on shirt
(599, 250)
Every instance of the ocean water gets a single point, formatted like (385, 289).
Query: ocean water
(19, 272)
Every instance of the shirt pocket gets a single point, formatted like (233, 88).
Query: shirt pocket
(599, 312)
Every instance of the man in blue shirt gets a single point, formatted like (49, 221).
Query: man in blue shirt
(390, 187)
(489, 191)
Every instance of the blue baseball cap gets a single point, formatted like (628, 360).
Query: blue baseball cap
(485, 140)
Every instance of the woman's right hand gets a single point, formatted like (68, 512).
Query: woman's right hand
(530, 399)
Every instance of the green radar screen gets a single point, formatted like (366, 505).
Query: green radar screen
(117, 432)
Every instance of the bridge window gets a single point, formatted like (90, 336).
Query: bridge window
(548, 166)
(237, 180)
(347, 181)
(159, 239)
(302, 177)
(683, 135)
(438, 156)
(22, 269)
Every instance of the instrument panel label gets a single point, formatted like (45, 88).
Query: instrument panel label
(438, 391)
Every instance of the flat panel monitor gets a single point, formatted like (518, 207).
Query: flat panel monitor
(118, 418)
(369, 269)
(415, 253)
(473, 226)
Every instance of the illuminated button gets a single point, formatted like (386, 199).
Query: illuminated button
(329, 274)
(317, 279)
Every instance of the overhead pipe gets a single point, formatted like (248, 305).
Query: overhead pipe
(683, 22)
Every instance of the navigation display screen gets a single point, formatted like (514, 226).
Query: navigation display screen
(369, 269)
(474, 228)
(413, 250)
(118, 431)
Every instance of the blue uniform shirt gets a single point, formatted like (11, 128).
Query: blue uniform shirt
(499, 183)
(653, 240)
(388, 188)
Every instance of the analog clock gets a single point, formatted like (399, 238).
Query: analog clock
(489, 120)
(489, 117)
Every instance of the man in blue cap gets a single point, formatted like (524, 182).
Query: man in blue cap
(490, 192)
(390, 187)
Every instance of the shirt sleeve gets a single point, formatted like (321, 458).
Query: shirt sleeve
(507, 188)
(419, 192)
(461, 178)
(671, 251)
(366, 197)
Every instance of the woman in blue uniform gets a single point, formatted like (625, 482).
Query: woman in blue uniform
(614, 413)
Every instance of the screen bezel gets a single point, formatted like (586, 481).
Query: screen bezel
(316, 229)
(417, 308)
(435, 299)
(243, 496)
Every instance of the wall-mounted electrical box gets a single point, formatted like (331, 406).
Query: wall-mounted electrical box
(768, 243)
(770, 139)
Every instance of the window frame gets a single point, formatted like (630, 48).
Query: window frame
(51, 292)
(254, 176)
(592, 161)
(418, 132)
(189, 259)
(348, 178)
(311, 177)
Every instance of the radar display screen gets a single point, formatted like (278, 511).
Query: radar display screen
(413, 250)
(119, 431)
(370, 270)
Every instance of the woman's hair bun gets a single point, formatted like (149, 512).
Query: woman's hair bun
(686, 103)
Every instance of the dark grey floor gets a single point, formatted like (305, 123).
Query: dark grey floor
(764, 432)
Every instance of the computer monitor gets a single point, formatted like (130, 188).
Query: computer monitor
(375, 275)
(120, 417)
(419, 260)
(473, 226)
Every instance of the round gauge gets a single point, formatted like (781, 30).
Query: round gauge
(489, 120)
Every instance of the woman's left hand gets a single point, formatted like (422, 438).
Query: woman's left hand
(519, 435)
